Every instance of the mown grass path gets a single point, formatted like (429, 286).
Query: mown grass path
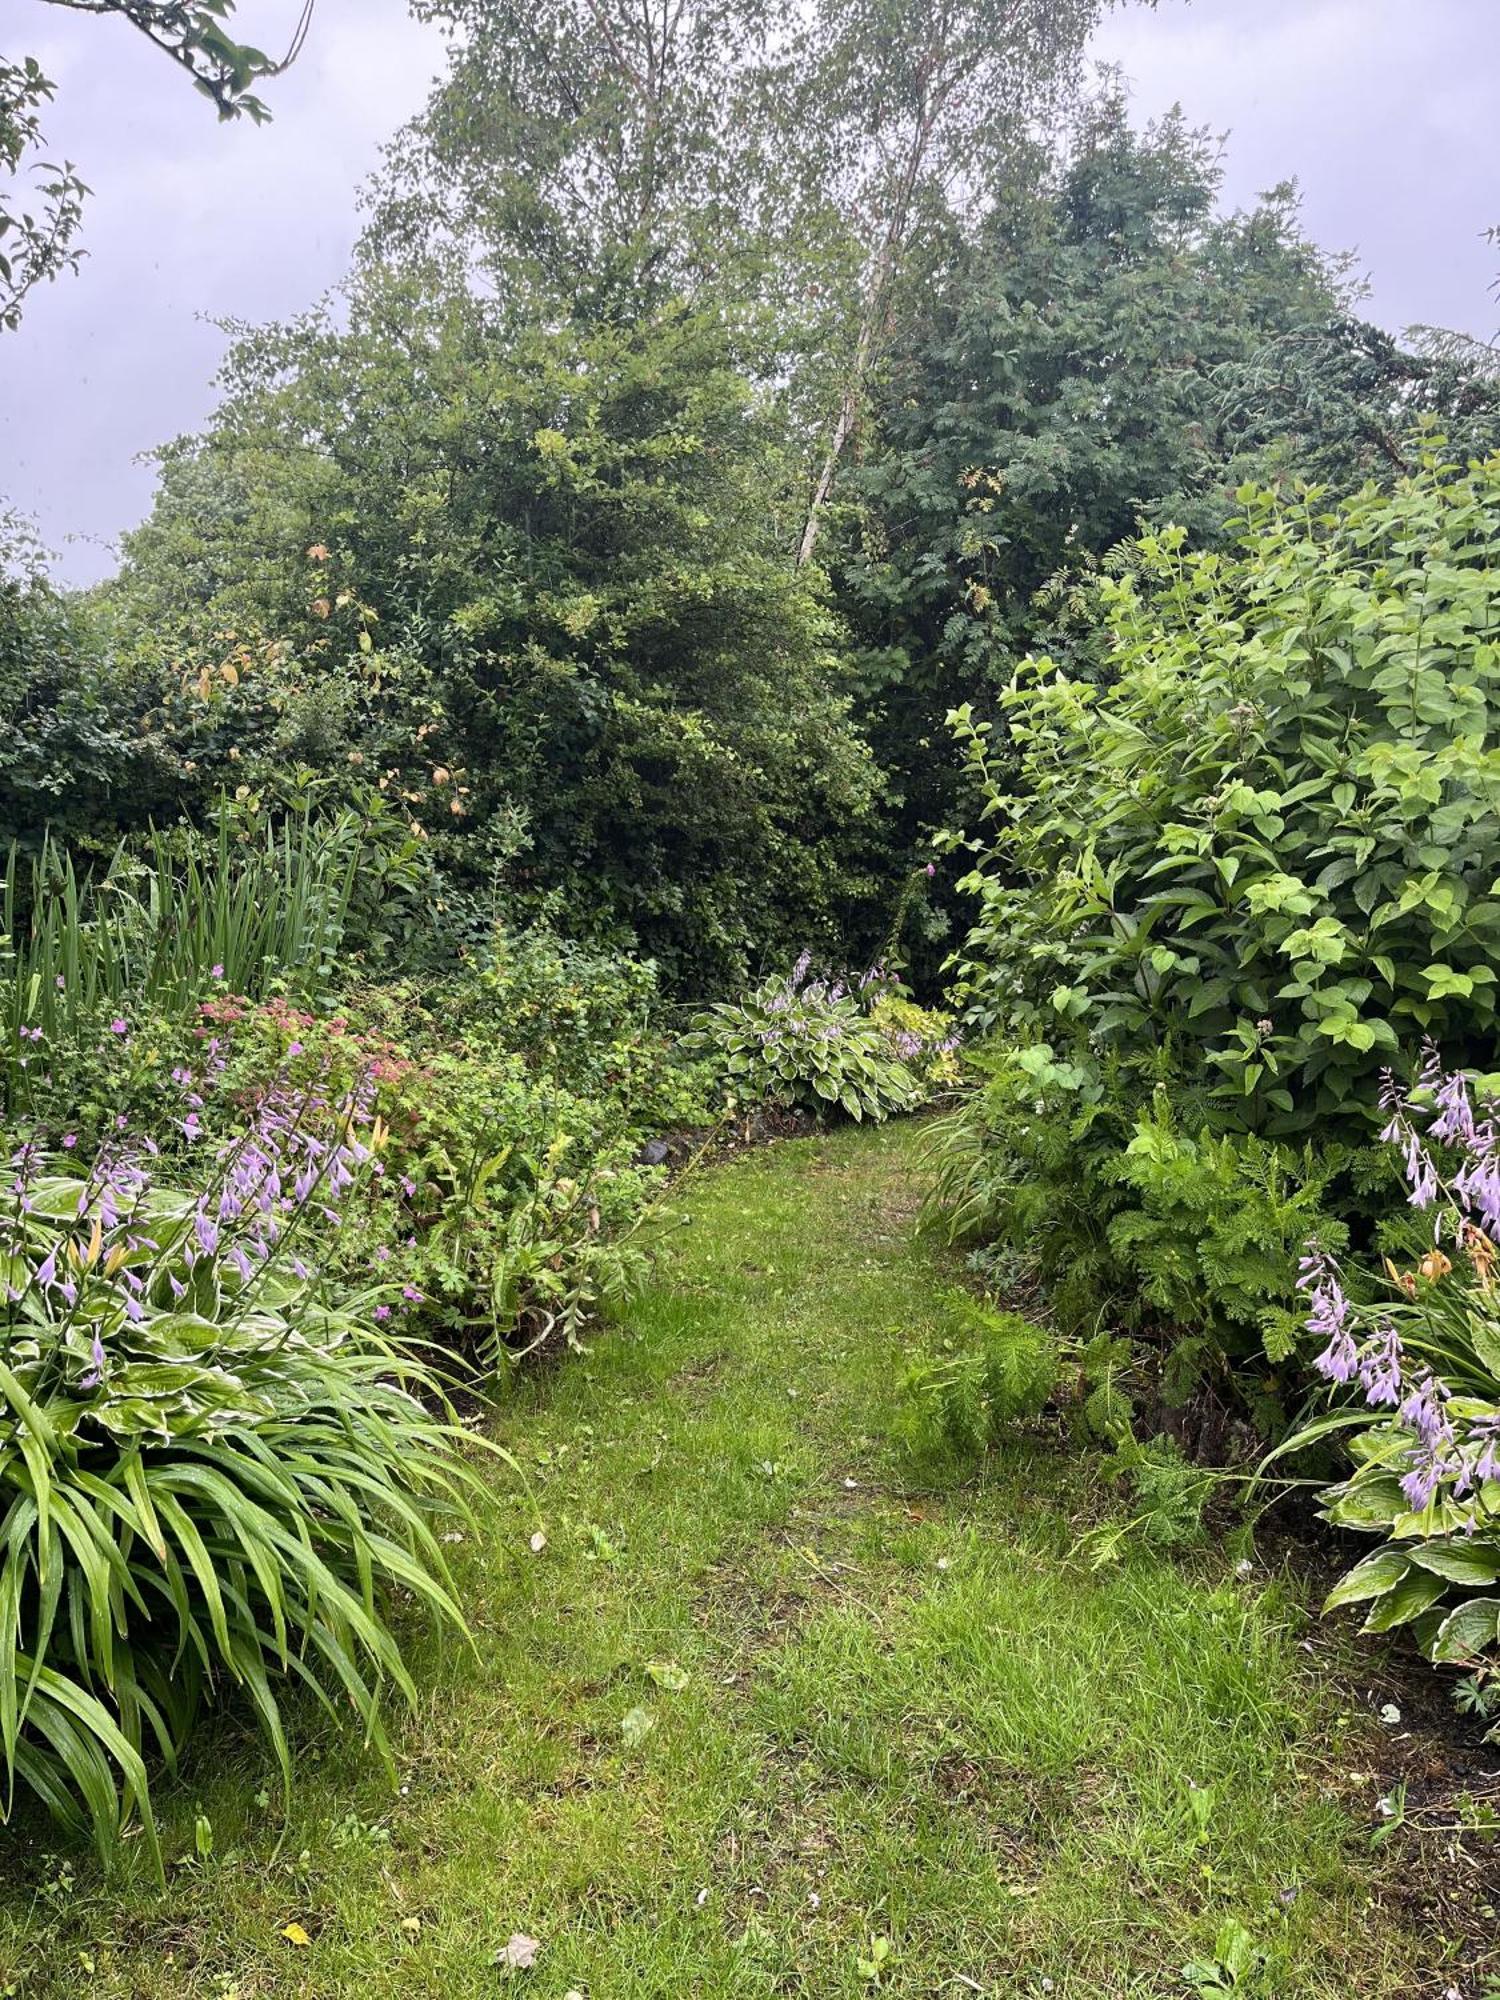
(764, 1718)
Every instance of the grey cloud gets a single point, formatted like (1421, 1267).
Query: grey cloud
(1381, 108)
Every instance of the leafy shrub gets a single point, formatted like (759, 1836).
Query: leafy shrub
(1110, 1199)
(214, 1471)
(1269, 844)
(586, 1016)
(990, 1370)
(808, 1042)
(1421, 1349)
(1230, 880)
(509, 1198)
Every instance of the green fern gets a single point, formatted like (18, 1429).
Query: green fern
(991, 1371)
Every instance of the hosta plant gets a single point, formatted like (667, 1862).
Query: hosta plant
(213, 1475)
(1415, 1361)
(796, 1040)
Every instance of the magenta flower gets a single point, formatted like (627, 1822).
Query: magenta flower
(119, 1026)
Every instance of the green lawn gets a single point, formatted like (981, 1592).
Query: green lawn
(759, 1703)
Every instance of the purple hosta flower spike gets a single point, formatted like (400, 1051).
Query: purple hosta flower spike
(96, 1374)
(1328, 1316)
(1454, 1123)
(1380, 1368)
(1477, 1182)
(1422, 1482)
(1486, 1435)
(1423, 1410)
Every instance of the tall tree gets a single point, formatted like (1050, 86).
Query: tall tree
(904, 109)
(785, 158)
(586, 151)
(536, 579)
(1060, 376)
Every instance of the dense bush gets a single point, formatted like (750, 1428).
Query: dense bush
(1223, 889)
(215, 1473)
(1270, 843)
(1118, 1195)
(584, 663)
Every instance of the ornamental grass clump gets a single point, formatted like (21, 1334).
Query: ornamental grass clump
(213, 1474)
(161, 925)
(1419, 1357)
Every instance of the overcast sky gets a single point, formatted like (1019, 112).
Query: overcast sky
(1384, 110)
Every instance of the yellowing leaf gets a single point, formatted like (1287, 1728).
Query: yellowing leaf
(294, 1934)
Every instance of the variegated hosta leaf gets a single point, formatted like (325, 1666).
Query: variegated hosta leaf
(1474, 1563)
(1467, 1631)
(1374, 1576)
